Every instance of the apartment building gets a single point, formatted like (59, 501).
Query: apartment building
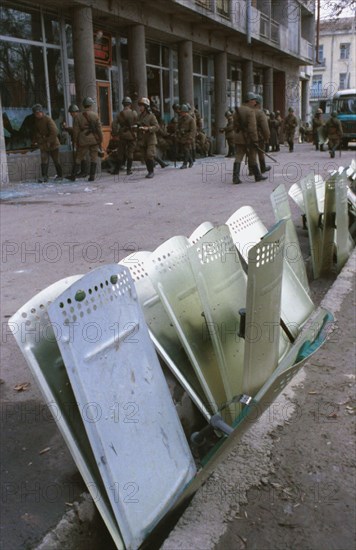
(335, 67)
(205, 52)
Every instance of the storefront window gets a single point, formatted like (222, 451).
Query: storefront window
(153, 54)
(20, 24)
(29, 73)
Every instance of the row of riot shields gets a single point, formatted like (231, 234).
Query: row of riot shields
(226, 310)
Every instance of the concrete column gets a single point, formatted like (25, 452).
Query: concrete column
(220, 75)
(185, 72)
(136, 44)
(4, 174)
(83, 52)
(305, 114)
(247, 78)
(268, 89)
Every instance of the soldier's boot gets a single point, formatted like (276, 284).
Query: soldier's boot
(74, 173)
(257, 173)
(83, 170)
(193, 159)
(263, 166)
(191, 162)
(150, 168)
(236, 173)
(44, 174)
(92, 171)
(231, 151)
(161, 162)
(128, 167)
(321, 147)
(184, 165)
(59, 171)
(250, 173)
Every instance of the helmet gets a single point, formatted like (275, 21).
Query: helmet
(73, 108)
(290, 110)
(319, 111)
(176, 107)
(189, 106)
(88, 102)
(266, 112)
(278, 112)
(184, 108)
(144, 101)
(37, 108)
(127, 101)
(251, 95)
(334, 114)
(228, 113)
(259, 99)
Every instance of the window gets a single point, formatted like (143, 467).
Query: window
(343, 81)
(344, 51)
(321, 55)
(222, 7)
(317, 85)
(204, 3)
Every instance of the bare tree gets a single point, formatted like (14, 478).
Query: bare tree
(337, 8)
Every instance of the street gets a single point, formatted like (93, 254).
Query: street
(51, 231)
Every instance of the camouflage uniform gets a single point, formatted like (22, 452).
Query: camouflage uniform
(334, 132)
(290, 124)
(186, 132)
(45, 135)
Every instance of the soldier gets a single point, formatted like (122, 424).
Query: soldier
(229, 134)
(45, 136)
(186, 132)
(246, 138)
(147, 139)
(290, 124)
(73, 111)
(263, 134)
(334, 133)
(162, 135)
(317, 125)
(280, 121)
(125, 124)
(273, 128)
(194, 113)
(87, 136)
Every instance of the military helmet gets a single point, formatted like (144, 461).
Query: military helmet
(184, 108)
(290, 110)
(127, 100)
(251, 95)
(73, 108)
(259, 99)
(228, 113)
(319, 111)
(176, 107)
(37, 108)
(278, 112)
(144, 101)
(189, 106)
(334, 114)
(88, 102)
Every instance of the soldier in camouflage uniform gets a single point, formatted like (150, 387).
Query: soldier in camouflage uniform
(45, 136)
(245, 127)
(229, 134)
(186, 133)
(263, 134)
(333, 129)
(290, 124)
(146, 134)
(125, 124)
(88, 137)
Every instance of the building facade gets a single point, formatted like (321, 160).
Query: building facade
(335, 67)
(205, 52)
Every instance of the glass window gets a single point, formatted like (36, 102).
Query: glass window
(316, 87)
(102, 73)
(343, 81)
(52, 32)
(153, 54)
(69, 41)
(204, 63)
(165, 56)
(20, 24)
(175, 59)
(344, 51)
(22, 83)
(196, 64)
(222, 7)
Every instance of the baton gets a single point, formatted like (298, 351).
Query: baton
(264, 152)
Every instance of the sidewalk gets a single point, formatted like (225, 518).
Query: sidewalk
(50, 232)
